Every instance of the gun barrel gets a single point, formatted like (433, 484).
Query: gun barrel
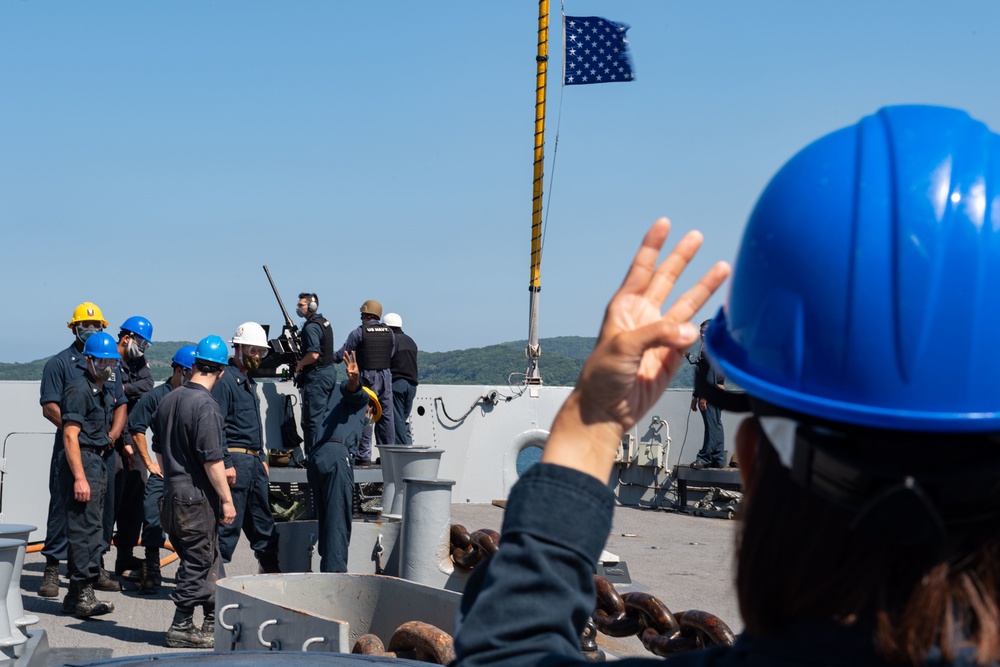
(288, 320)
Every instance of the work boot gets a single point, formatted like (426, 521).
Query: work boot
(88, 605)
(128, 567)
(208, 625)
(106, 583)
(72, 599)
(50, 579)
(183, 633)
(150, 581)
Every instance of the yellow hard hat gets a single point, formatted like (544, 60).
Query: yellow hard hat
(87, 312)
(374, 399)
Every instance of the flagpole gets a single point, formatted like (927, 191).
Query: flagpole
(534, 350)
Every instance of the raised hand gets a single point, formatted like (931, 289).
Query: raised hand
(637, 354)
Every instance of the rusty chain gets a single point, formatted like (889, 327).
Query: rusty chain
(660, 631)
(468, 550)
(413, 640)
(633, 614)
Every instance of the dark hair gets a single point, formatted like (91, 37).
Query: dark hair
(799, 558)
(310, 296)
(206, 367)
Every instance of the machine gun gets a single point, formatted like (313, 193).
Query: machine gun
(286, 348)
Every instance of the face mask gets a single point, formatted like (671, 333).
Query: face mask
(301, 312)
(83, 333)
(134, 351)
(251, 363)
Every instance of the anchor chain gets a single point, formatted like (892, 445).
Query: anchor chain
(413, 640)
(632, 614)
(660, 631)
(468, 550)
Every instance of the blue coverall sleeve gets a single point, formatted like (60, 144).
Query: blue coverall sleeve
(222, 393)
(530, 603)
(350, 345)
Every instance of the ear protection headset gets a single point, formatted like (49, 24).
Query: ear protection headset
(313, 304)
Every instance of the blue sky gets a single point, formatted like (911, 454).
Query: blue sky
(154, 155)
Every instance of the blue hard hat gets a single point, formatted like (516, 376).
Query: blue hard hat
(101, 345)
(213, 350)
(865, 287)
(185, 356)
(139, 326)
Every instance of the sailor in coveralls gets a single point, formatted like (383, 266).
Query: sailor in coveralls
(374, 344)
(330, 471)
(316, 374)
(246, 465)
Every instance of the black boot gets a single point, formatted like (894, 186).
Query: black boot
(128, 567)
(150, 581)
(184, 634)
(208, 625)
(88, 605)
(72, 598)
(50, 579)
(105, 582)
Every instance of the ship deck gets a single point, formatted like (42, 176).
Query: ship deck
(684, 560)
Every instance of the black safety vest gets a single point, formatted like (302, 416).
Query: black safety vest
(375, 351)
(326, 345)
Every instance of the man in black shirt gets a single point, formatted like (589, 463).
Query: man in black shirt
(190, 447)
(404, 378)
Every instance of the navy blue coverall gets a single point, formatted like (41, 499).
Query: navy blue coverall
(92, 408)
(130, 487)
(140, 418)
(380, 382)
(317, 382)
(240, 405)
(58, 373)
(330, 473)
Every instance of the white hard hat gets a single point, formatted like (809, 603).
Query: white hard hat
(250, 333)
(392, 320)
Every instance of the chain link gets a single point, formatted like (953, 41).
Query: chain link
(660, 631)
(413, 640)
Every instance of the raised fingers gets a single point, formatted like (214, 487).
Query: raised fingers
(644, 264)
(665, 276)
(692, 300)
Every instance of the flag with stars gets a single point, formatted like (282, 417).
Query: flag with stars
(596, 51)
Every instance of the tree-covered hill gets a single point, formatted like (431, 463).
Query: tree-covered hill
(159, 355)
(560, 364)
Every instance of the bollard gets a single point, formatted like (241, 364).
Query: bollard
(10, 635)
(420, 463)
(426, 531)
(19, 621)
(390, 476)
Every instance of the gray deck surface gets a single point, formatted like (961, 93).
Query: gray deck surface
(685, 561)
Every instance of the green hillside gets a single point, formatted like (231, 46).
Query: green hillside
(159, 356)
(562, 359)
